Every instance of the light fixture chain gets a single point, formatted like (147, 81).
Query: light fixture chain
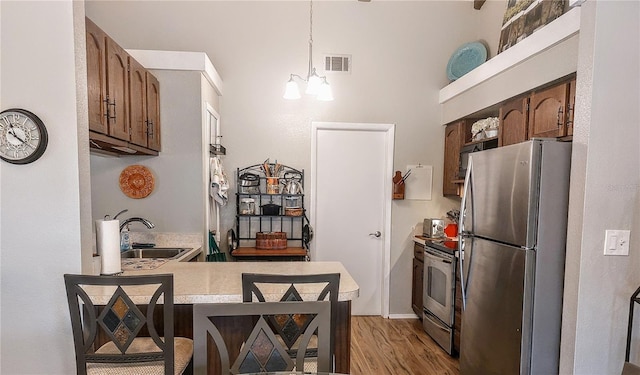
(311, 21)
(310, 72)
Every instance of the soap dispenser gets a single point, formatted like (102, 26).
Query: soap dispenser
(125, 241)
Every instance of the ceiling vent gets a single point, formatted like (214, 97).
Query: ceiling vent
(337, 63)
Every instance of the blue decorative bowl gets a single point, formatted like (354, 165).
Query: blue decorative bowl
(466, 58)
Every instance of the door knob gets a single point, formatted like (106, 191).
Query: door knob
(376, 234)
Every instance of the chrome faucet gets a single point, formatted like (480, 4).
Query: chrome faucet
(144, 221)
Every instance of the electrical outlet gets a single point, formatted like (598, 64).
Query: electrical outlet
(616, 242)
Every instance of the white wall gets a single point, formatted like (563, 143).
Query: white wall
(41, 207)
(605, 190)
(400, 50)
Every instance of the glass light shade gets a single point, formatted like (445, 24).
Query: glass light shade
(325, 93)
(292, 91)
(313, 84)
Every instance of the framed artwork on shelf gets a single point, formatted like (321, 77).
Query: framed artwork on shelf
(523, 17)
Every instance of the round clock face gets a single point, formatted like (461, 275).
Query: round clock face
(23, 136)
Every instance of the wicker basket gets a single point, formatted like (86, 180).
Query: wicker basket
(293, 211)
(272, 240)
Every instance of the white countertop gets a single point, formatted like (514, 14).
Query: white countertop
(132, 264)
(219, 282)
(419, 240)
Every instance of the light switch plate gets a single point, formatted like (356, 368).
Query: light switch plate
(616, 242)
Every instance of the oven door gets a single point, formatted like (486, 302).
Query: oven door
(439, 273)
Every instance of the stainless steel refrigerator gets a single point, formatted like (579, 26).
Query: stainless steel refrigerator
(512, 241)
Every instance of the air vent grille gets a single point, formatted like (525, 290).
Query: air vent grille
(337, 63)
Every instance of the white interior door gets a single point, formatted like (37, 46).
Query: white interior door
(351, 202)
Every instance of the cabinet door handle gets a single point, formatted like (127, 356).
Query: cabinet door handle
(113, 104)
(150, 128)
(569, 114)
(560, 119)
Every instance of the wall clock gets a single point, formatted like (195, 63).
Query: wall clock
(23, 136)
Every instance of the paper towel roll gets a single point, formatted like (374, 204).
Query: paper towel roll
(108, 246)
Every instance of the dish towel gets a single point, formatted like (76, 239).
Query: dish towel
(219, 182)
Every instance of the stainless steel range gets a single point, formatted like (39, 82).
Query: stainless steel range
(438, 295)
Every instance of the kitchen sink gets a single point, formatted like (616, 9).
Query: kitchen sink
(154, 252)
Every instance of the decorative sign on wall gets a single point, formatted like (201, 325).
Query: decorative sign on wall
(523, 17)
(419, 182)
(136, 181)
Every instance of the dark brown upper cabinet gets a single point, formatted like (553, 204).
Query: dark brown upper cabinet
(117, 91)
(153, 112)
(144, 97)
(548, 112)
(513, 121)
(96, 77)
(456, 134)
(123, 99)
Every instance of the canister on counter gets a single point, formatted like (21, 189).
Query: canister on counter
(293, 206)
(247, 206)
(273, 185)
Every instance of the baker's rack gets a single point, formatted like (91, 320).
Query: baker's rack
(247, 225)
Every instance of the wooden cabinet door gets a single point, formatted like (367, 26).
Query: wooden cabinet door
(153, 112)
(571, 107)
(547, 111)
(454, 138)
(138, 103)
(417, 286)
(118, 90)
(513, 122)
(96, 77)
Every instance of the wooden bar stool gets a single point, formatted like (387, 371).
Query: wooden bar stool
(120, 323)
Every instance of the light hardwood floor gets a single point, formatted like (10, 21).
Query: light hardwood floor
(396, 347)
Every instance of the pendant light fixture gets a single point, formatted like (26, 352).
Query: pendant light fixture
(316, 85)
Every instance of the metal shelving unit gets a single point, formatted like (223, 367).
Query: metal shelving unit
(248, 225)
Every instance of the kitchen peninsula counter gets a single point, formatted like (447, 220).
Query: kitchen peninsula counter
(221, 282)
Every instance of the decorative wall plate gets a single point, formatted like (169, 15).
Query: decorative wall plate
(136, 181)
(466, 58)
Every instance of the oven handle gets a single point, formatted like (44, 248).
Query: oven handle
(433, 255)
(434, 319)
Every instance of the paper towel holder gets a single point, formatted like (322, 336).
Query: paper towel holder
(107, 217)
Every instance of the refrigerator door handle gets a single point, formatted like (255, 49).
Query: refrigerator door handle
(461, 231)
(460, 258)
(463, 202)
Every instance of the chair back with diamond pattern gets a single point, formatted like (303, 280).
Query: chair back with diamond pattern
(120, 321)
(287, 288)
(331, 282)
(218, 328)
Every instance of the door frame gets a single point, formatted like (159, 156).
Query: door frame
(210, 134)
(389, 130)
